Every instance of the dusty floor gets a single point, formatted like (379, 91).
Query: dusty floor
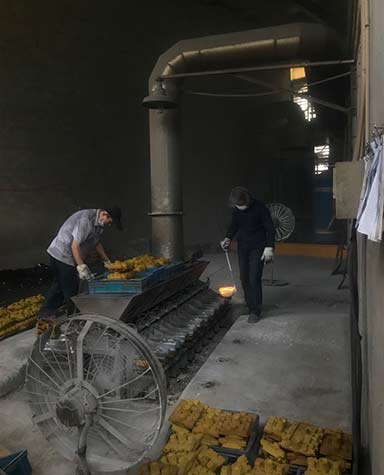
(295, 362)
(311, 292)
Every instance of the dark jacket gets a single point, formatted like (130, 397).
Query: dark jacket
(253, 227)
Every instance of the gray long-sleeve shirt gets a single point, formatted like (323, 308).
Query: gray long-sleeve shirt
(83, 226)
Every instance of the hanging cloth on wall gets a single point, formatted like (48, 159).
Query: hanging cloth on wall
(370, 214)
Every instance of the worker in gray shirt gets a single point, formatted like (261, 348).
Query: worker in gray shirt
(79, 235)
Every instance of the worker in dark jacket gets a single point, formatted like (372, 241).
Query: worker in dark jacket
(255, 233)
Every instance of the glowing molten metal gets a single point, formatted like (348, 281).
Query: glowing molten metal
(227, 292)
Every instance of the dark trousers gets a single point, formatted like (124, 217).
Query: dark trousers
(251, 272)
(65, 285)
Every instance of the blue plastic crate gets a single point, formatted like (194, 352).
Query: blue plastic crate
(16, 464)
(171, 270)
(132, 286)
(139, 284)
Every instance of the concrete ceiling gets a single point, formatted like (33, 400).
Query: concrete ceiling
(334, 13)
(331, 12)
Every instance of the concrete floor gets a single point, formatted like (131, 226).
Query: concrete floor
(295, 369)
(294, 362)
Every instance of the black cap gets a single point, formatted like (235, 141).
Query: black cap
(115, 213)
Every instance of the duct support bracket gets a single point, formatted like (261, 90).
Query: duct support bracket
(159, 214)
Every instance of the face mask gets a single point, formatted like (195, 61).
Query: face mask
(241, 208)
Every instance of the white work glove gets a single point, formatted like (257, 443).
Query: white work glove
(225, 243)
(106, 263)
(84, 272)
(268, 255)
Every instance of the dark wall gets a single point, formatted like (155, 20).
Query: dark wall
(235, 142)
(73, 132)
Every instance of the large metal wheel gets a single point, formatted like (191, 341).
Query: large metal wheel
(98, 391)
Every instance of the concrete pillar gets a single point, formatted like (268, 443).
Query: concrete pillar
(166, 186)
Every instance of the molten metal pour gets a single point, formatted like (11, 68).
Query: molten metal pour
(227, 292)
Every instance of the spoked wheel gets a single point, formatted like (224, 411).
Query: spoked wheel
(97, 391)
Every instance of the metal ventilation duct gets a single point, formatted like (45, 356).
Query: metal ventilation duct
(296, 41)
(301, 41)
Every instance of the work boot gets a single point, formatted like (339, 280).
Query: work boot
(254, 316)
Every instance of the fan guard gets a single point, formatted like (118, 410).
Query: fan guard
(97, 373)
(283, 220)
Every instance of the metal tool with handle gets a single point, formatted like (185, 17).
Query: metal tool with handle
(226, 252)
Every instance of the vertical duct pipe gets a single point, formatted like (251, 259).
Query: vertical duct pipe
(166, 189)
(234, 50)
